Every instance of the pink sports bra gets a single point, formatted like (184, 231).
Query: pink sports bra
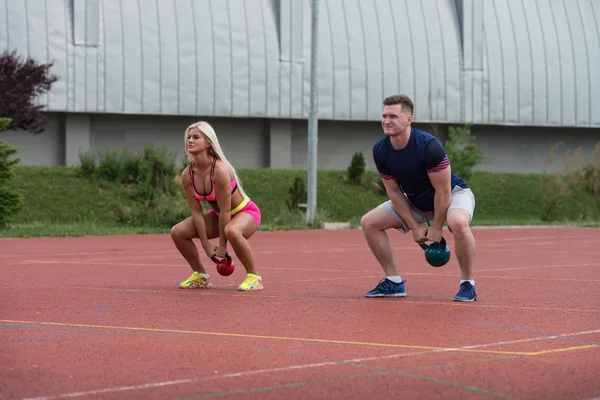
(211, 197)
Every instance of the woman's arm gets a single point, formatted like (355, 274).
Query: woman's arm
(195, 208)
(222, 180)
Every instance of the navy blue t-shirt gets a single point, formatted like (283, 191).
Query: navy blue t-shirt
(409, 167)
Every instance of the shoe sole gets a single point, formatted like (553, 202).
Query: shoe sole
(475, 299)
(387, 295)
(195, 287)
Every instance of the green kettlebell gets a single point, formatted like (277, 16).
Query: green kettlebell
(436, 254)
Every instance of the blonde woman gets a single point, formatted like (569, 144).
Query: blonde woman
(233, 217)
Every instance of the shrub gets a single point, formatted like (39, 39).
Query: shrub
(157, 172)
(152, 172)
(585, 176)
(109, 165)
(357, 168)
(87, 161)
(131, 164)
(297, 194)
(11, 201)
(463, 152)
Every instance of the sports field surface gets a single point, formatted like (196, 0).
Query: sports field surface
(103, 318)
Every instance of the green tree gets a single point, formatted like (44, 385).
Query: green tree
(463, 152)
(357, 167)
(21, 82)
(11, 201)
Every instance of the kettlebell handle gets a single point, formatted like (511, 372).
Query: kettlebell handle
(216, 259)
(443, 244)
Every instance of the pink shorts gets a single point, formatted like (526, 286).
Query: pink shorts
(250, 208)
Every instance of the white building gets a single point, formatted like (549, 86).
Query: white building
(136, 73)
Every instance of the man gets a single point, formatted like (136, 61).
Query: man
(421, 187)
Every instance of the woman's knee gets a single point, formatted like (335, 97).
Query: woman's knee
(183, 230)
(176, 231)
(232, 232)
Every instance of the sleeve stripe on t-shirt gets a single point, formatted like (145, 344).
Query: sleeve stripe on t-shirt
(445, 163)
(386, 177)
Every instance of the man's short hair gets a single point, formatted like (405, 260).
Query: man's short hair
(403, 100)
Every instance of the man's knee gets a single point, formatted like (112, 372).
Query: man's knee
(369, 220)
(378, 219)
(458, 222)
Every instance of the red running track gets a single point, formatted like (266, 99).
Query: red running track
(102, 317)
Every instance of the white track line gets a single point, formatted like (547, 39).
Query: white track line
(283, 369)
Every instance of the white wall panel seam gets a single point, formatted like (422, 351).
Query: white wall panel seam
(159, 53)
(537, 7)
(306, 44)
(85, 60)
(472, 38)
(102, 43)
(595, 19)
(429, 77)
(516, 49)
(396, 50)
(178, 43)
(231, 64)
(68, 78)
(574, 58)
(333, 80)
(196, 54)
(379, 33)
(123, 58)
(472, 75)
(587, 57)
(7, 24)
(531, 64)
(214, 57)
(364, 37)
(349, 102)
(142, 94)
(99, 50)
(266, 55)
(381, 53)
(412, 53)
(48, 60)
(249, 55)
(290, 66)
(443, 86)
(503, 79)
(560, 69)
(483, 92)
(27, 13)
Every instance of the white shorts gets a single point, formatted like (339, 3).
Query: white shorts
(460, 198)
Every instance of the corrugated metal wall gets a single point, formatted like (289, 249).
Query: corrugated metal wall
(525, 62)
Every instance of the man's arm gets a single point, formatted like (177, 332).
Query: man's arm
(394, 192)
(439, 173)
(440, 180)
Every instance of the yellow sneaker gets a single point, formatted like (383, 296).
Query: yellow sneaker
(252, 282)
(196, 281)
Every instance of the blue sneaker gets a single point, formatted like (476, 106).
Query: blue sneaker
(387, 288)
(466, 292)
